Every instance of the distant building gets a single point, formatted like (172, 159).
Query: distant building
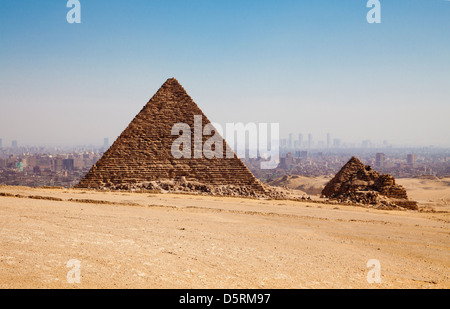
(411, 159)
(290, 140)
(1, 143)
(288, 162)
(301, 154)
(379, 159)
(37, 170)
(57, 164)
(67, 164)
(106, 142)
(247, 152)
(14, 144)
(19, 166)
(25, 162)
(310, 140)
(328, 140)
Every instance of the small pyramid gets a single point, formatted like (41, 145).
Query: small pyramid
(142, 153)
(356, 182)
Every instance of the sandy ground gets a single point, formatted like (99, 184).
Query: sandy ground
(141, 240)
(434, 193)
(303, 184)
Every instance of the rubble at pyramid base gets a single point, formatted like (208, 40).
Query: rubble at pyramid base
(181, 185)
(375, 199)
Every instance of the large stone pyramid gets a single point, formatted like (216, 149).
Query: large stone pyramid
(356, 182)
(142, 155)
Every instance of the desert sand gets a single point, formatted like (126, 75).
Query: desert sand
(432, 192)
(303, 184)
(145, 240)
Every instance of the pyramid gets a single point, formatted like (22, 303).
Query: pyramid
(142, 153)
(356, 182)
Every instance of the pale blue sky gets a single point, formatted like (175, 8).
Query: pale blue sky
(313, 66)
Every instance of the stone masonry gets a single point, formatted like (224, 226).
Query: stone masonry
(141, 156)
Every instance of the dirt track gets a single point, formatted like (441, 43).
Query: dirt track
(136, 240)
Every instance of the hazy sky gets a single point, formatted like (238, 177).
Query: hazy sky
(314, 66)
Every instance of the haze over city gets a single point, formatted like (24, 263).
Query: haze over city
(312, 66)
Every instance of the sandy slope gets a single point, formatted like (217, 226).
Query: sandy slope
(308, 185)
(428, 192)
(185, 241)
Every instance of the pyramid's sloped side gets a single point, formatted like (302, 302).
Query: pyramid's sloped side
(143, 151)
(346, 173)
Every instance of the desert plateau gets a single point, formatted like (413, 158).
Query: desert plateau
(155, 240)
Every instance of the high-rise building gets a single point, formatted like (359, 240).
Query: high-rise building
(1, 143)
(14, 144)
(57, 164)
(290, 140)
(310, 140)
(287, 162)
(328, 140)
(68, 164)
(379, 159)
(106, 142)
(411, 159)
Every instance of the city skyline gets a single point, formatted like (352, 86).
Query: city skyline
(66, 167)
(320, 145)
(327, 141)
(314, 67)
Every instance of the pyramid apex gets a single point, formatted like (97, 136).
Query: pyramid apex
(172, 82)
(355, 160)
(171, 79)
